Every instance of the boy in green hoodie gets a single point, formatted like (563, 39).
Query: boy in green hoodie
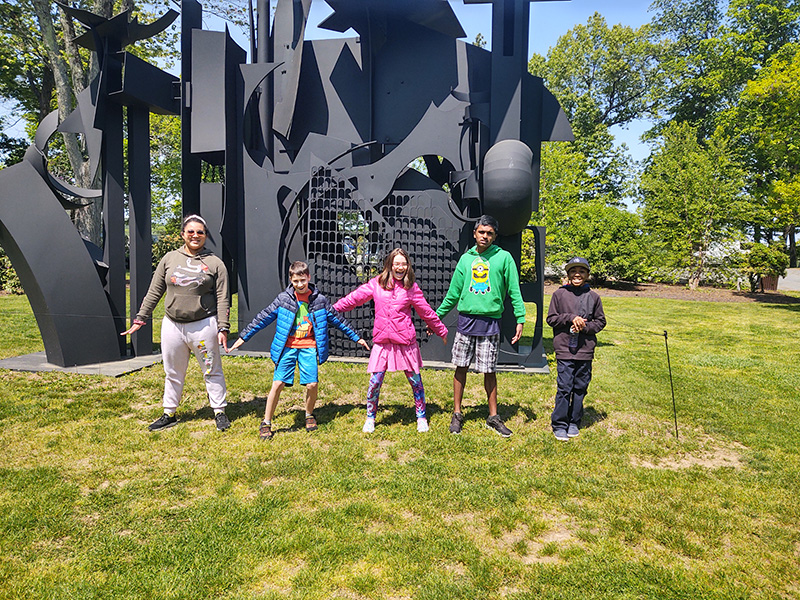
(484, 275)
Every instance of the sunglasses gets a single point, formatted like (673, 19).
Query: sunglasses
(192, 231)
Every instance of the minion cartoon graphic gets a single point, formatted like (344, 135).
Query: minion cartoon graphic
(480, 277)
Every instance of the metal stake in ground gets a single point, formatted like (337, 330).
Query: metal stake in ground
(671, 386)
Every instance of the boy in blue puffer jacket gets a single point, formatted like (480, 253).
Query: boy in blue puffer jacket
(301, 340)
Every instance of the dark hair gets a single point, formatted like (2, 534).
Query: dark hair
(192, 219)
(488, 221)
(298, 267)
(385, 279)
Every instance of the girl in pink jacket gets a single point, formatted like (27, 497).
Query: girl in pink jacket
(394, 338)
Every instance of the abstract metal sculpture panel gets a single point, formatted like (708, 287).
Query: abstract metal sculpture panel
(335, 151)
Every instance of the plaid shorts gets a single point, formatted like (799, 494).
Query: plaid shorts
(483, 349)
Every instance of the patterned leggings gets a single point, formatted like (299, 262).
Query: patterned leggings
(374, 391)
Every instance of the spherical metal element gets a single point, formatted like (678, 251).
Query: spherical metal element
(508, 185)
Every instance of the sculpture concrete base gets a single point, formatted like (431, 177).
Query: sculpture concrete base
(37, 362)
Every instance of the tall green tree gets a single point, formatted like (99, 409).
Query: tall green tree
(711, 49)
(765, 127)
(609, 236)
(692, 198)
(602, 77)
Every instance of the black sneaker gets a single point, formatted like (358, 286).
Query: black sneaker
(265, 431)
(222, 420)
(496, 423)
(163, 422)
(456, 422)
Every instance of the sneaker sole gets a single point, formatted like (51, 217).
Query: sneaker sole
(163, 428)
(504, 435)
(572, 435)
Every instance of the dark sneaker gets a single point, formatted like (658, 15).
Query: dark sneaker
(163, 422)
(573, 430)
(456, 422)
(265, 431)
(222, 421)
(561, 435)
(311, 423)
(496, 423)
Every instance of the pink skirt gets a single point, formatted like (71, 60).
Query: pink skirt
(395, 357)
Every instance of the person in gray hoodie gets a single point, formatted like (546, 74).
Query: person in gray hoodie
(197, 320)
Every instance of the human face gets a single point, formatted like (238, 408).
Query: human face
(578, 276)
(399, 266)
(484, 237)
(194, 236)
(299, 283)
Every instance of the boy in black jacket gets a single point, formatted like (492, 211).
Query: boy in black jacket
(576, 316)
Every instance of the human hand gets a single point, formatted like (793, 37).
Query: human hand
(135, 326)
(362, 342)
(579, 323)
(236, 344)
(444, 339)
(222, 338)
(517, 333)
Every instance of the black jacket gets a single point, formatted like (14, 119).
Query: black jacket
(567, 303)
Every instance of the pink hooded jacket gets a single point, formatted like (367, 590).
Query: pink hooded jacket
(393, 322)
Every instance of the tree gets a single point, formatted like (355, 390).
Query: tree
(601, 76)
(692, 198)
(765, 127)
(609, 236)
(709, 54)
(762, 260)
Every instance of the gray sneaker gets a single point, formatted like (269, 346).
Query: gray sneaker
(163, 422)
(456, 422)
(222, 421)
(561, 435)
(573, 430)
(496, 423)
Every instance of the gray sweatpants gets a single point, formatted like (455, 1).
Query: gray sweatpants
(178, 342)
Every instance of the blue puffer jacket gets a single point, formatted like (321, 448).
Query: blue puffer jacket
(284, 308)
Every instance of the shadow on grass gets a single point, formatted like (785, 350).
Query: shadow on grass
(785, 306)
(776, 298)
(591, 416)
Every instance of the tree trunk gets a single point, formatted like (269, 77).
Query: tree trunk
(88, 220)
(792, 247)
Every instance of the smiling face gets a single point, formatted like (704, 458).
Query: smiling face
(399, 266)
(577, 276)
(194, 236)
(484, 237)
(299, 283)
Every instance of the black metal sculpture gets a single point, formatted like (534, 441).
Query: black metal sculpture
(335, 151)
(77, 290)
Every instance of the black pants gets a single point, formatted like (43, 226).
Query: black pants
(573, 381)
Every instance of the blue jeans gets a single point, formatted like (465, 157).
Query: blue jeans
(573, 381)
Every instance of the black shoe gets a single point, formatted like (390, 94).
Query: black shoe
(456, 422)
(496, 423)
(223, 422)
(265, 431)
(163, 422)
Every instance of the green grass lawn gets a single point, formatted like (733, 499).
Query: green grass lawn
(94, 506)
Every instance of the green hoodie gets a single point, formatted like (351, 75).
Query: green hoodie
(480, 284)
